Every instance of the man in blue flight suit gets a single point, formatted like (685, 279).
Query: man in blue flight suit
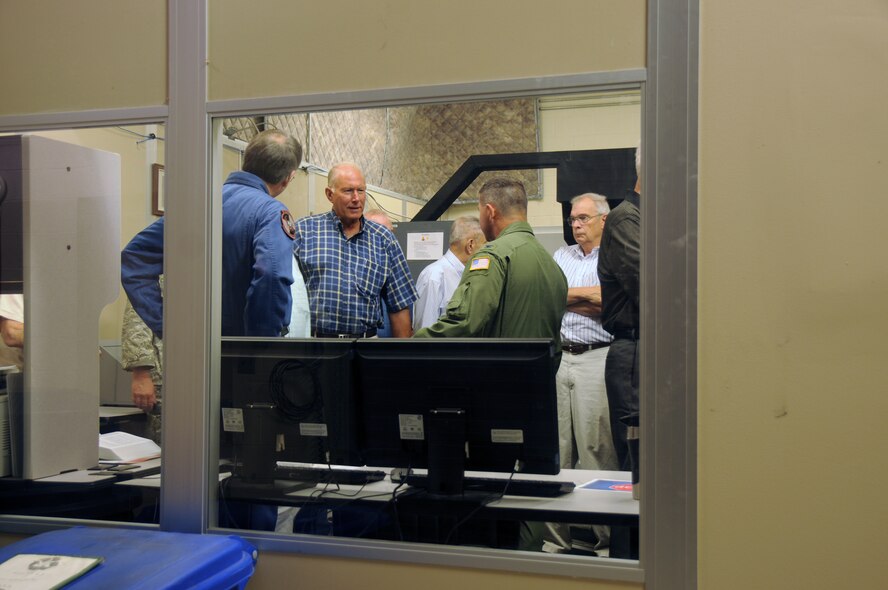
(257, 267)
(257, 246)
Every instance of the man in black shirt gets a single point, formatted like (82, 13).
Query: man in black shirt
(618, 270)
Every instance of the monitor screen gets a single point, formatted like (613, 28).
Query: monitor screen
(492, 400)
(293, 396)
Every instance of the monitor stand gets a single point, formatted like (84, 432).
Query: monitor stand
(447, 451)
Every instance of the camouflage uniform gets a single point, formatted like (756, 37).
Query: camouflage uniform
(141, 348)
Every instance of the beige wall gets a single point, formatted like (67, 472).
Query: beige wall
(275, 570)
(63, 56)
(344, 45)
(583, 128)
(792, 280)
(792, 294)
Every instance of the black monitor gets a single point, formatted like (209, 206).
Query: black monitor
(286, 400)
(455, 404)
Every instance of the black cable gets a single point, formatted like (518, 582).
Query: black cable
(482, 504)
(142, 135)
(372, 198)
(394, 503)
(223, 502)
(295, 389)
(291, 407)
(352, 497)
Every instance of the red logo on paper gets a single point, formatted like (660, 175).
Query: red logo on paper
(621, 487)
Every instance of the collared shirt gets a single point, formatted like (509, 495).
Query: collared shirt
(435, 286)
(619, 266)
(346, 277)
(300, 316)
(581, 270)
(511, 288)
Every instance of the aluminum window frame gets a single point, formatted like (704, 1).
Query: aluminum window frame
(669, 291)
(587, 567)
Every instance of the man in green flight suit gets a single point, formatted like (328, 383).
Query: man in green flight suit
(511, 288)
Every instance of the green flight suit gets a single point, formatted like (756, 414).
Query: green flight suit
(511, 288)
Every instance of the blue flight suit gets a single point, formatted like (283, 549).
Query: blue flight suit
(257, 263)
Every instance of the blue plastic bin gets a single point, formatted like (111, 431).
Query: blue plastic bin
(147, 559)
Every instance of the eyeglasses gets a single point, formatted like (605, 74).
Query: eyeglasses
(584, 219)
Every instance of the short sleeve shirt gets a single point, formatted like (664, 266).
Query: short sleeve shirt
(347, 278)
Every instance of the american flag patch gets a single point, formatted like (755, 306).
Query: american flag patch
(480, 264)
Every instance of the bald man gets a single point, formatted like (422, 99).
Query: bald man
(438, 281)
(349, 264)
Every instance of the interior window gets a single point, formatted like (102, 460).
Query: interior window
(80, 372)
(354, 432)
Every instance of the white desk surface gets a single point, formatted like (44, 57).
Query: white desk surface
(153, 480)
(117, 411)
(79, 476)
(149, 481)
(580, 501)
(90, 476)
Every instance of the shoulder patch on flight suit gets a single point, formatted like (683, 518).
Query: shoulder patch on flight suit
(480, 264)
(288, 225)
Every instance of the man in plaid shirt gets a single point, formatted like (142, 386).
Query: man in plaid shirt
(349, 263)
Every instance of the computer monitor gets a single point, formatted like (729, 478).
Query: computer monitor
(286, 400)
(455, 404)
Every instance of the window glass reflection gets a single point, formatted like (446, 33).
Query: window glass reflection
(72, 198)
(381, 248)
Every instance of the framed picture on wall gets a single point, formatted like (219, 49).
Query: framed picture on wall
(157, 189)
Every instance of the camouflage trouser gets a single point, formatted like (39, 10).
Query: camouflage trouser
(153, 426)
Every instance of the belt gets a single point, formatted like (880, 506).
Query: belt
(368, 334)
(581, 348)
(632, 334)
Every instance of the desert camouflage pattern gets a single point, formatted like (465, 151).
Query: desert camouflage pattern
(141, 348)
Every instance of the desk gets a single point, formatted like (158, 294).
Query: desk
(582, 506)
(370, 510)
(75, 494)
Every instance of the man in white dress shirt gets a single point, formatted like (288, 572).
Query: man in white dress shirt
(583, 418)
(438, 281)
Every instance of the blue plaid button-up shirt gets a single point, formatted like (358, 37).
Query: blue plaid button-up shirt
(346, 278)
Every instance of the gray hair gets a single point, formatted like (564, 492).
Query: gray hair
(337, 168)
(638, 160)
(463, 228)
(272, 155)
(507, 195)
(600, 202)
